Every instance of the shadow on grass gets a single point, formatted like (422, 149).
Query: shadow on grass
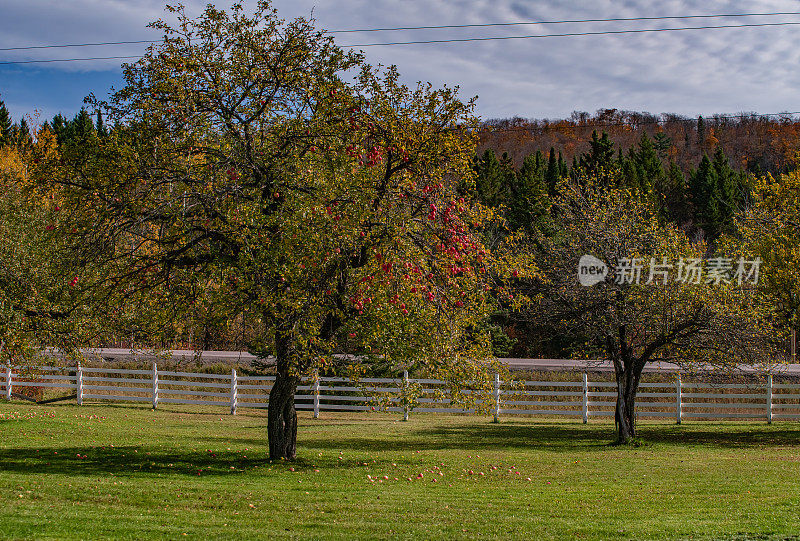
(124, 461)
(726, 435)
(133, 461)
(559, 437)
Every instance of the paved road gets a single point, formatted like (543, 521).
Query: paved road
(181, 355)
(569, 364)
(242, 357)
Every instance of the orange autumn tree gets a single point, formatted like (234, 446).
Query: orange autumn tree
(247, 175)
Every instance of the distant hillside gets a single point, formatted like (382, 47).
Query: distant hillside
(753, 143)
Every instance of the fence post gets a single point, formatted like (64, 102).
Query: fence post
(496, 397)
(769, 399)
(678, 404)
(405, 395)
(234, 391)
(79, 384)
(585, 398)
(316, 394)
(8, 382)
(155, 386)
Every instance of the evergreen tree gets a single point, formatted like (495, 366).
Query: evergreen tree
(601, 154)
(630, 174)
(491, 182)
(99, 125)
(662, 144)
(21, 134)
(61, 128)
(701, 132)
(648, 165)
(599, 161)
(673, 196)
(702, 185)
(717, 191)
(83, 125)
(529, 202)
(553, 173)
(5, 125)
(562, 166)
(730, 191)
(508, 178)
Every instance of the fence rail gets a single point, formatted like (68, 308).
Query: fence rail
(581, 398)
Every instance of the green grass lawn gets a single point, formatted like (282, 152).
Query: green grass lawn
(197, 472)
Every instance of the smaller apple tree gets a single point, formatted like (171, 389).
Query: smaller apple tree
(656, 302)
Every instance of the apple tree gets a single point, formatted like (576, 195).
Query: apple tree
(257, 168)
(656, 295)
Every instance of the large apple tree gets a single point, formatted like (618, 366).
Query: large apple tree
(256, 168)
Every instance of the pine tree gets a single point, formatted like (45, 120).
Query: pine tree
(553, 173)
(490, 183)
(730, 191)
(702, 185)
(529, 202)
(83, 125)
(651, 172)
(598, 163)
(21, 134)
(100, 126)
(508, 178)
(630, 173)
(662, 143)
(601, 154)
(673, 196)
(562, 166)
(60, 128)
(701, 132)
(5, 125)
(716, 191)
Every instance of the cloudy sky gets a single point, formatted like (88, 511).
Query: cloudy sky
(689, 72)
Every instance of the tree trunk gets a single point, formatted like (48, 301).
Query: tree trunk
(282, 417)
(281, 414)
(624, 414)
(628, 372)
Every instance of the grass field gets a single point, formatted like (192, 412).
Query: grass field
(127, 472)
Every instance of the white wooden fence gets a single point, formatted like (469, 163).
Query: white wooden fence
(581, 398)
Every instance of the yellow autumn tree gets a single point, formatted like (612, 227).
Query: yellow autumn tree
(39, 305)
(769, 228)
